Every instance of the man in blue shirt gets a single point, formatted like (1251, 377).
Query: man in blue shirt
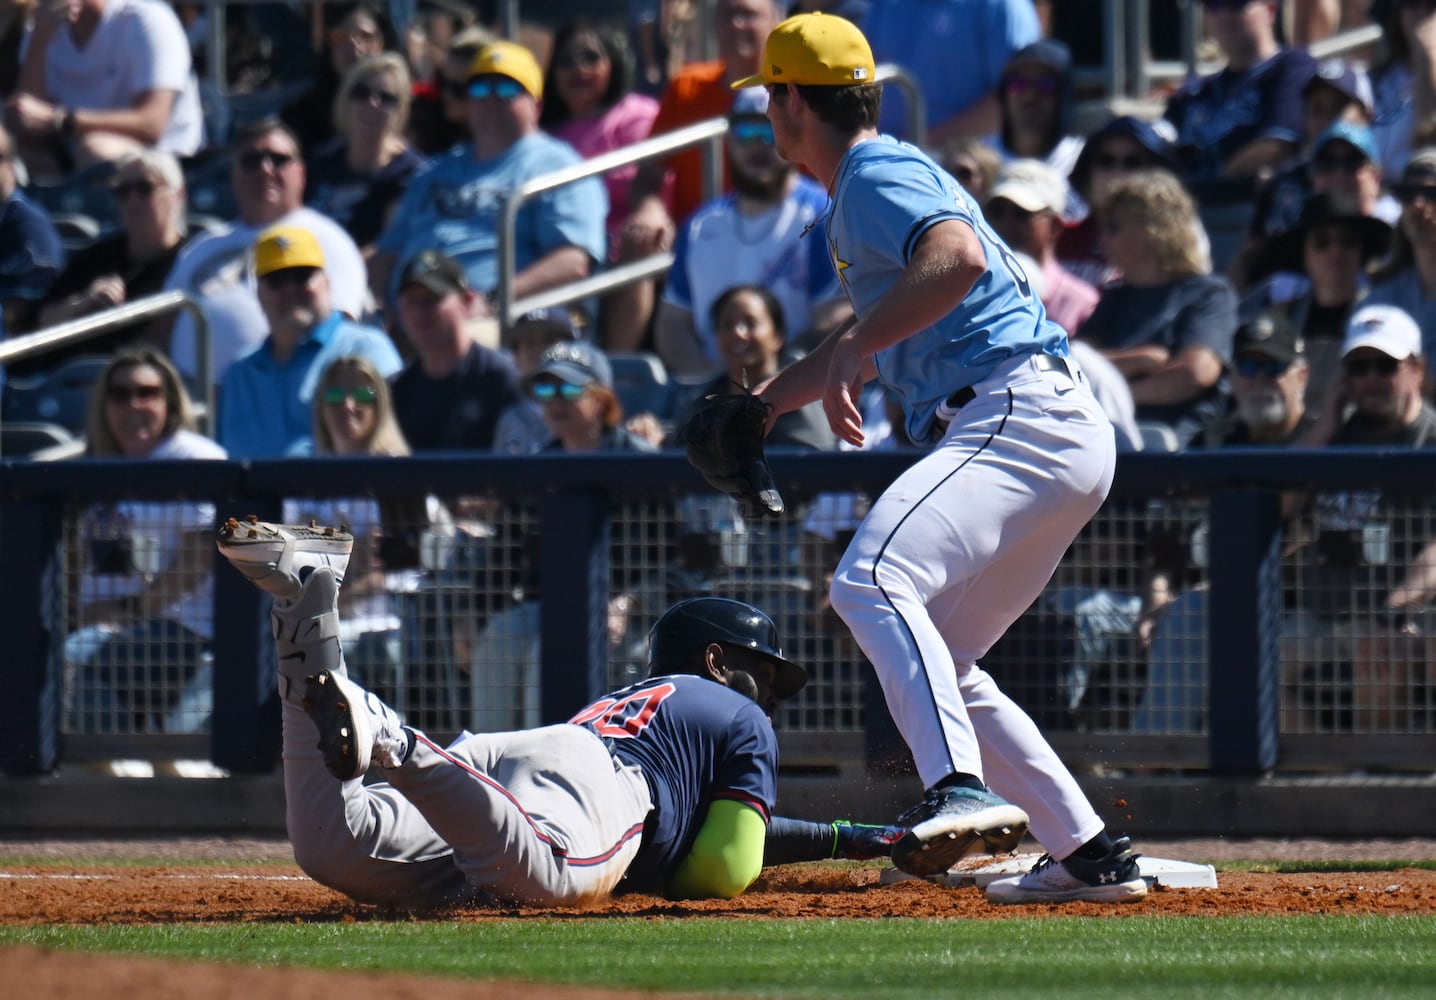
(455, 204)
(30, 252)
(1246, 119)
(266, 397)
(963, 542)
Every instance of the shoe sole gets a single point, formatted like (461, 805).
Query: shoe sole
(934, 846)
(345, 739)
(256, 541)
(1122, 892)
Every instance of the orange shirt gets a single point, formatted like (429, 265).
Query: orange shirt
(697, 93)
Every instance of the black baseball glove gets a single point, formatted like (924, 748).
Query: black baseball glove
(724, 439)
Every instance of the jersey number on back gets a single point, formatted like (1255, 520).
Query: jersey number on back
(624, 718)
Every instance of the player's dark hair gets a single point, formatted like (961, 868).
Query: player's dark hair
(847, 108)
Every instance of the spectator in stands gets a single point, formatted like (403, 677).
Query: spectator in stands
(751, 335)
(1343, 164)
(450, 396)
(521, 429)
(1025, 208)
(1409, 280)
(134, 262)
(32, 254)
(591, 105)
(101, 78)
(1401, 78)
(1246, 119)
(146, 589)
(1375, 569)
(574, 386)
(358, 178)
(1269, 377)
(438, 121)
(455, 204)
(1115, 150)
(1322, 277)
(266, 397)
(1035, 97)
(355, 33)
(974, 163)
(218, 269)
(753, 236)
(1168, 323)
(957, 51)
(698, 92)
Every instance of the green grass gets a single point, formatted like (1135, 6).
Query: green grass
(1070, 957)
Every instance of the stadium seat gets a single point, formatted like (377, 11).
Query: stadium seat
(1158, 437)
(641, 381)
(77, 231)
(23, 439)
(60, 396)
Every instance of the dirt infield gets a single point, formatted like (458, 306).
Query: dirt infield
(256, 881)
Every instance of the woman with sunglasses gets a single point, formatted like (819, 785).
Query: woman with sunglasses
(574, 387)
(589, 103)
(149, 193)
(141, 571)
(359, 177)
(1035, 101)
(355, 33)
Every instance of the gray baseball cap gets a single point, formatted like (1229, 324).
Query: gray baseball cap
(576, 362)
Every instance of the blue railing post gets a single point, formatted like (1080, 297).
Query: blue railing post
(1244, 630)
(573, 618)
(30, 621)
(244, 728)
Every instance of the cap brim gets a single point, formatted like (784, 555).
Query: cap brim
(789, 678)
(435, 283)
(756, 80)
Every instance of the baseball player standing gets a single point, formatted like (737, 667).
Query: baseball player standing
(666, 785)
(964, 541)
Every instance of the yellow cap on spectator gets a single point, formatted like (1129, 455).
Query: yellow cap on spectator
(280, 247)
(511, 60)
(819, 49)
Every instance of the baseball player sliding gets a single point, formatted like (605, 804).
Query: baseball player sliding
(666, 785)
(964, 541)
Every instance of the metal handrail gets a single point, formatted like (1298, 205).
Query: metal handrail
(138, 311)
(710, 132)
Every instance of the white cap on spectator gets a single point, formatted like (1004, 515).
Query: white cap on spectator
(1388, 329)
(1032, 186)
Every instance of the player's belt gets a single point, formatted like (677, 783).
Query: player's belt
(1043, 362)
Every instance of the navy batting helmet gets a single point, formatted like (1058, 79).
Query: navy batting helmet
(694, 623)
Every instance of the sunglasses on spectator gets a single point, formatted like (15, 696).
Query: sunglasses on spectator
(1338, 164)
(752, 131)
(1111, 161)
(289, 277)
(124, 189)
(504, 89)
(363, 94)
(134, 393)
(362, 395)
(1323, 240)
(1385, 367)
(579, 58)
(1410, 194)
(1044, 85)
(1265, 367)
(965, 175)
(254, 159)
(548, 391)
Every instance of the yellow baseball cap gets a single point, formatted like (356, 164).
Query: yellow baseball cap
(280, 247)
(819, 49)
(511, 60)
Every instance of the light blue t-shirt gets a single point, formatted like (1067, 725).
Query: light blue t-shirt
(266, 408)
(887, 194)
(455, 205)
(956, 50)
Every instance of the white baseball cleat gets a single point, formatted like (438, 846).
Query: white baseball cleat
(355, 726)
(277, 557)
(1115, 878)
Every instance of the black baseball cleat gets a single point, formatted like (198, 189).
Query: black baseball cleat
(355, 726)
(951, 823)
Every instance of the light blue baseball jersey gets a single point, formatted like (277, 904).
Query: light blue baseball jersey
(887, 194)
